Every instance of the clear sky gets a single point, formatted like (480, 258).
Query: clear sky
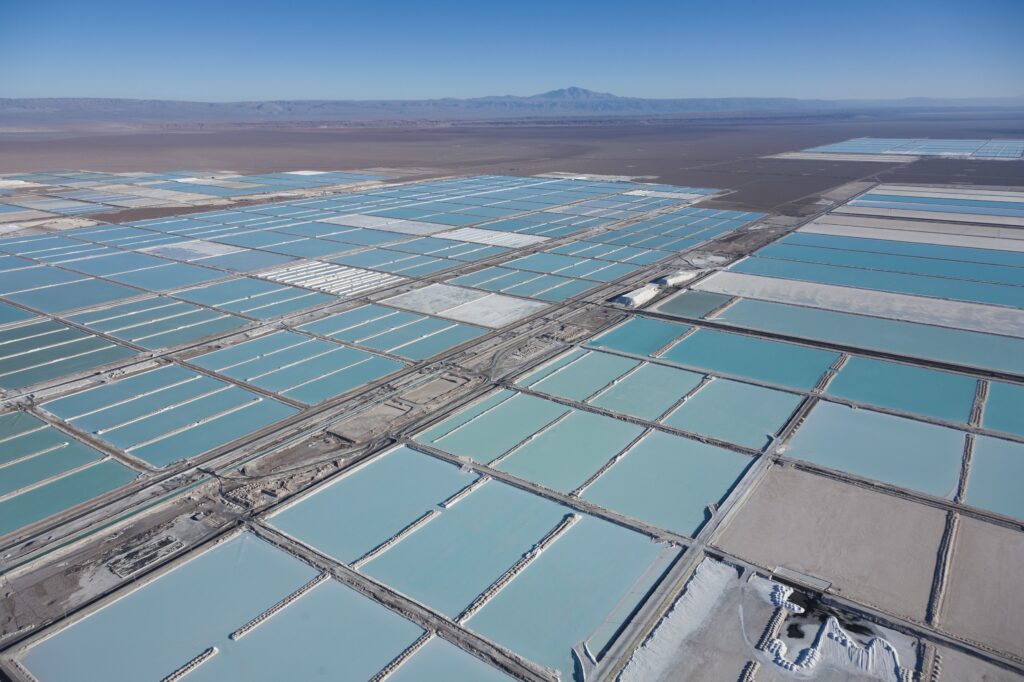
(219, 50)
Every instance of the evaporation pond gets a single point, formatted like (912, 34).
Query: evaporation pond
(899, 451)
(331, 633)
(649, 391)
(581, 588)
(439, 661)
(564, 456)
(1004, 408)
(997, 468)
(639, 336)
(492, 426)
(903, 387)
(668, 481)
(457, 555)
(579, 374)
(733, 411)
(780, 363)
(348, 517)
(154, 630)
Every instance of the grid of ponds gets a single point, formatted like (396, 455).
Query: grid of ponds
(216, 289)
(595, 456)
(955, 273)
(678, 230)
(42, 350)
(944, 303)
(74, 193)
(216, 594)
(976, 149)
(44, 471)
(294, 365)
(953, 204)
(898, 423)
(167, 414)
(398, 332)
(447, 538)
(690, 401)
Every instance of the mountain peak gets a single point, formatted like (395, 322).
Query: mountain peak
(575, 93)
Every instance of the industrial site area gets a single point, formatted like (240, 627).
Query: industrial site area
(409, 424)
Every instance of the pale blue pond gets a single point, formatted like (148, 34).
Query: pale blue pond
(904, 387)
(668, 481)
(953, 253)
(331, 633)
(169, 413)
(440, 661)
(151, 632)
(649, 391)
(920, 285)
(63, 493)
(44, 471)
(1004, 408)
(582, 587)
(692, 304)
(639, 336)
(997, 469)
(45, 350)
(736, 412)
(571, 451)
(449, 561)
(775, 362)
(492, 427)
(306, 369)
(916, 264)
(579, 374)
(906, 338)
(348, 517)
(898, 451)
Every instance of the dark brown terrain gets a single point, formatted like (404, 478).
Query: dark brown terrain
(723, 152)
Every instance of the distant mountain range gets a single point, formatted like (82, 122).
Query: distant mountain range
(567, 102)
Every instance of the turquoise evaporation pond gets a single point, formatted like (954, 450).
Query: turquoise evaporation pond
(493, 426)
(775, 362)
(581, 588)
(649, 391)
(154, 630)
(668, 481)
(455, 557)
(883, 447)
(440, 661)
(255, 298)
(632, 387)
(997, 468)
(928, 392)
(564, 456)
(692, 304)
(9, 313)
(930, 251)
(910, 264)
(740, 413)
(45, 350)
(156, 415)
(975, 349)
(300, 367)
(1004, 408)
(639, 336)
(579, 374)
(351, 515)
(402, 333)
(33, 453)
(919, 285)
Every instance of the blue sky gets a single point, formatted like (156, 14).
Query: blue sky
(305, 49)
